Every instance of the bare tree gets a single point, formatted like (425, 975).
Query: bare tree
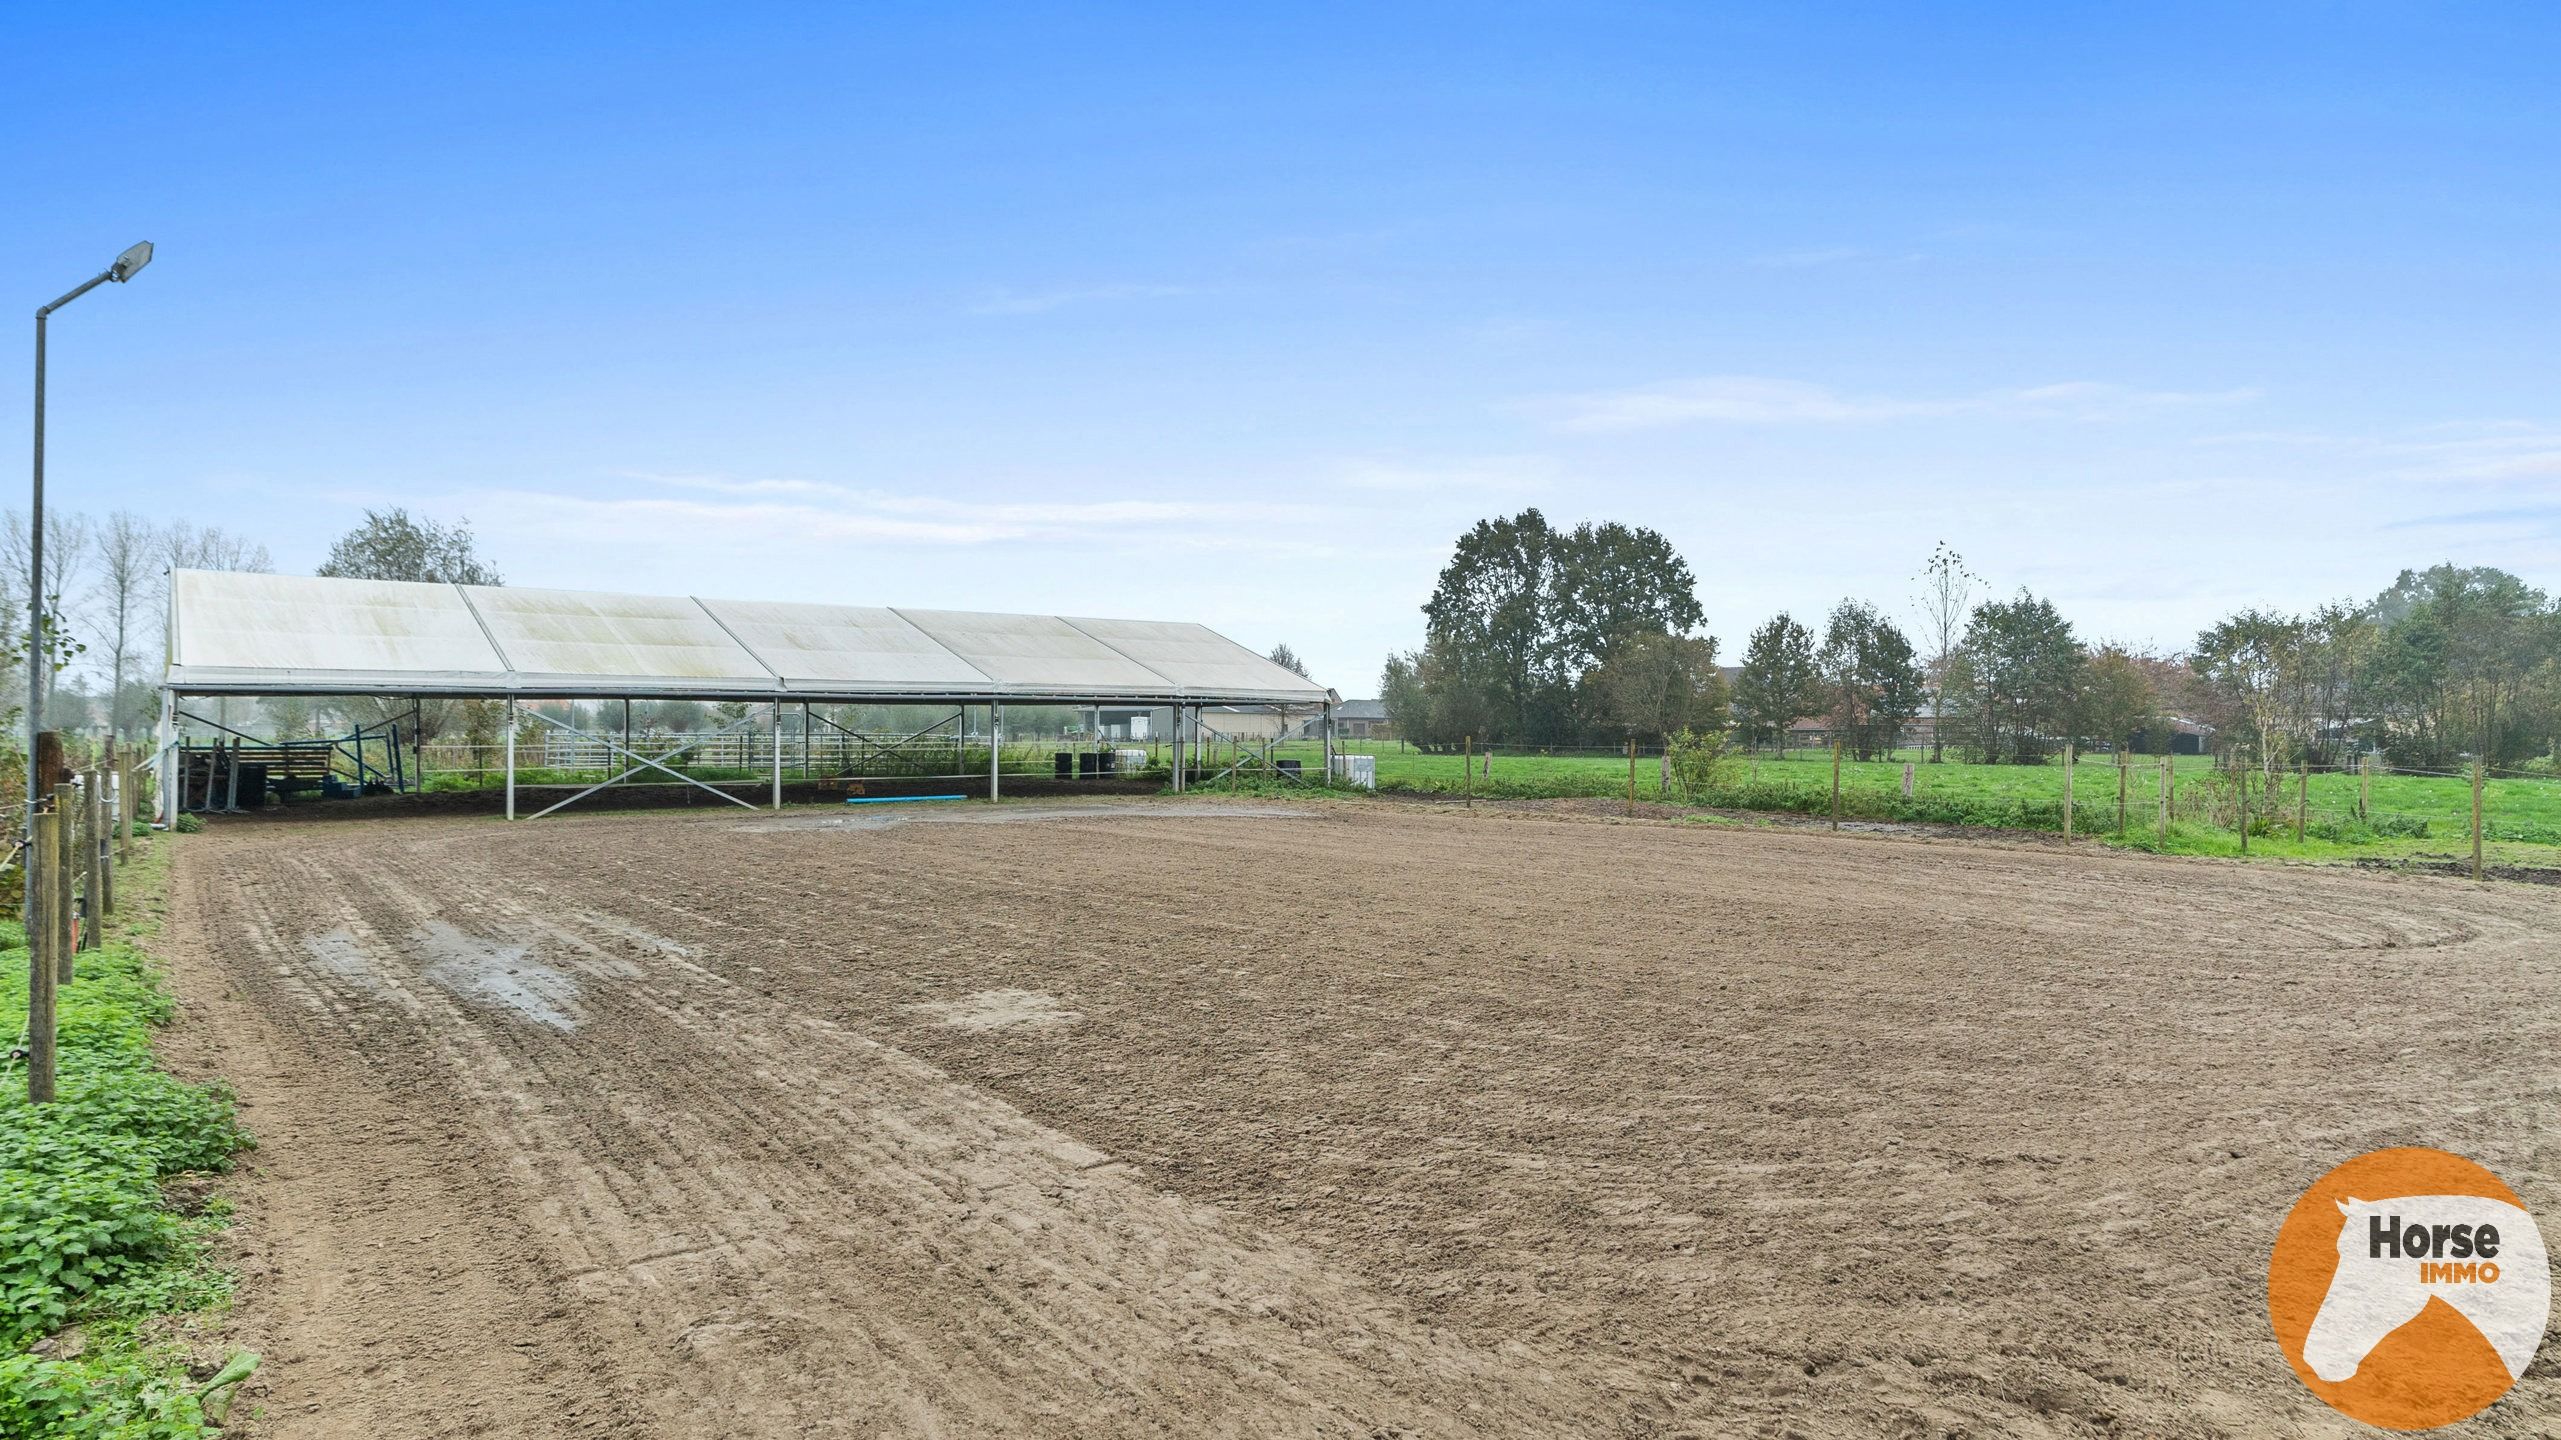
(210, 547)
(1945, 599)
(129, 555)
(186, 546)
(66, 559)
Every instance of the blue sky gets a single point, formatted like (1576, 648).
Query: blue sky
(1242, 315)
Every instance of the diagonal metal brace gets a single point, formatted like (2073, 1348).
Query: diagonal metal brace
(641, 760)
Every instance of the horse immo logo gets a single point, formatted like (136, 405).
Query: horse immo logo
(2409, 1288)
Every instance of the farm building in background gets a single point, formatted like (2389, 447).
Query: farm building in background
(1362, 720)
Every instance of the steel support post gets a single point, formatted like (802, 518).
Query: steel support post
(778, 754)
(995, 751)
(511, 757)
(164, 775)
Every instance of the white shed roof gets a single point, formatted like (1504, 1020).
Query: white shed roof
(244, 634)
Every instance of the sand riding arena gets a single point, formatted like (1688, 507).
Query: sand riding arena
(1191, 1117)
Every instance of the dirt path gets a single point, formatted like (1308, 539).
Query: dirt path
(1349, 1122)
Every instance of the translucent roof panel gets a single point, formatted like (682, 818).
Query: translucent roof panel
(1040, 652)
(820, 645)
(1199, 658)
(230, 620)
(583, 632)
(240, 634)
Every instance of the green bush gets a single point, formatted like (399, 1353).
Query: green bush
(86, 1236)
(83, 1400)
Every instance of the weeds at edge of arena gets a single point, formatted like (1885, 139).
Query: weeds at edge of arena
(102, 1271)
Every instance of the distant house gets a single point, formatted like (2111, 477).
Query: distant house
(1362, 720)
(1353, 720)
(2187, 737)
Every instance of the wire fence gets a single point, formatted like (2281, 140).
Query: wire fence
(2182, 802)
(821, 753)
(2186, 801)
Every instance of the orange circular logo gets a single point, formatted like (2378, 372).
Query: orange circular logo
(2409, 1288)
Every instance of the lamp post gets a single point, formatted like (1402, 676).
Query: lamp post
(126, 266)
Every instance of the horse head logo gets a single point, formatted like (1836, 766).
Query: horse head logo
(2481, 1256)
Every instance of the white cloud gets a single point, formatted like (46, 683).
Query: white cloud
(1003, 301)
(1489, 474)
(1761, 400)
(728, 485)
(2465, 453)
(794, 517)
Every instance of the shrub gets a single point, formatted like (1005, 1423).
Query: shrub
(85, 1234)
(1700, 764)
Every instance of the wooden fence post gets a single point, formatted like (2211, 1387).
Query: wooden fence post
(2169, 781)
(1631, 775)
(2120, 792)
(106, 813)
(2365, 788)
(2476, 819)
(93, 852)
(1467, 767)
(66, 906)
(1907, 779)
(2241, 806)
(41, 845)
(1836, 784)
(62, 895)
(2071, 759)
(2302, 797)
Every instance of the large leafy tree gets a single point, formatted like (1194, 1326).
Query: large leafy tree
(395, 545)
(2017, 679)
(2117, 699)
(1524, 613)
(1430, 704)
(1656, 684)
(1486, 621)
(1615, 584)
(2465, 663)
(1778, 684)
(2252, 665)
(1871, 684)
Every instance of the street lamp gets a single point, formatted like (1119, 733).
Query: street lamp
(126, 266)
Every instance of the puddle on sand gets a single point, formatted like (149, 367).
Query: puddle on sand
(494, 974)
(998, 1010)
(340, 955)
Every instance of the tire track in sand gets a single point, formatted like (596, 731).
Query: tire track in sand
(804, 1231)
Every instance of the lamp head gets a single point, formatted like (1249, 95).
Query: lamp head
(130, 263)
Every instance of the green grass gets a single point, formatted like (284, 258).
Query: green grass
(99, 1276)
(2410, 815)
